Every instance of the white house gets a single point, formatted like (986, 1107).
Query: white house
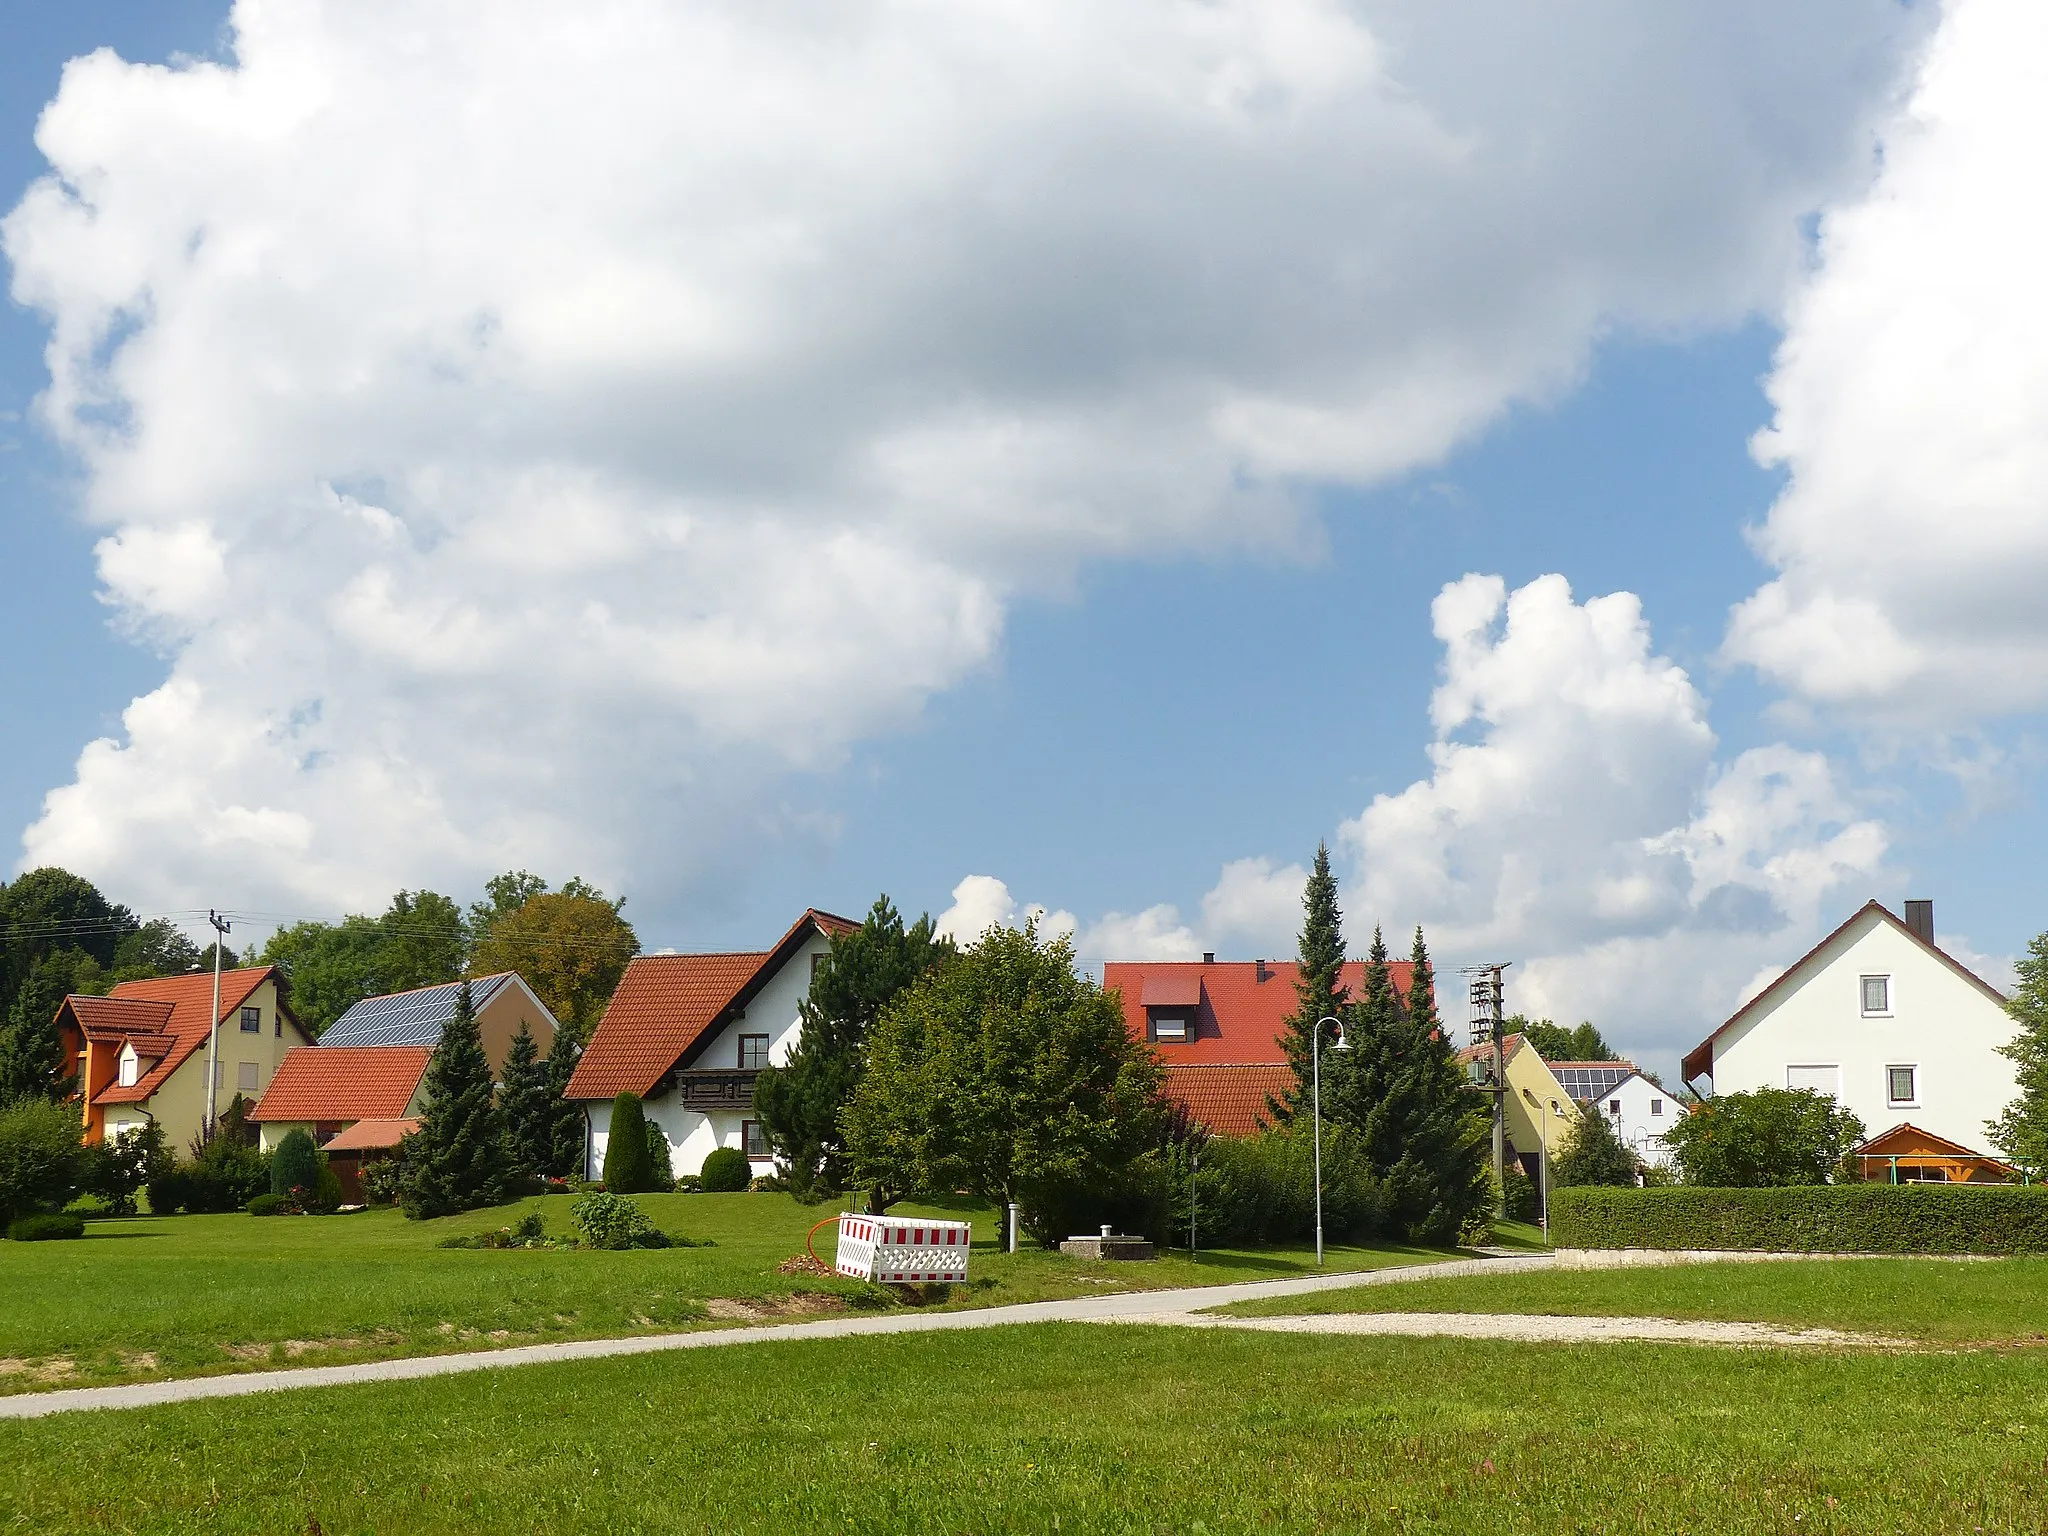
(1641, 1112)
(690, 1033)
(1877, 1015)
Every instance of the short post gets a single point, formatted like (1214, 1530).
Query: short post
(1010, 1216)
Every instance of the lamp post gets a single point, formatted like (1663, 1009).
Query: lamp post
(220, 932)
(1315, 1056)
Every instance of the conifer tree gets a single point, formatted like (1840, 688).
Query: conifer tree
(457, 1159)
(627, 1168)
(1319, 990)
(565, 1145)
(2021, 1131)
(1401, 1090)
(529, 1107)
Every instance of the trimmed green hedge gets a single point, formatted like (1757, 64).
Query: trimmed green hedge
(1824, 1218)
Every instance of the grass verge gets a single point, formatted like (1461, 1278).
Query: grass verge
(1941, 1301)
(191, 1295)
(1083, 1429)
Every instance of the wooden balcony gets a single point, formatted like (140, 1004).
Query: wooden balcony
(708, 1090)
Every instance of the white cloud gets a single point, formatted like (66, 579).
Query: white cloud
(982, 902)
(1577, 823)
(533, 431)
(1911, 396)
(1255, 905)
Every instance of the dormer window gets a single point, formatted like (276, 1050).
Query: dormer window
(129, 1069)
(1173, 1028)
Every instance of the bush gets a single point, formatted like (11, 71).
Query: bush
(613, 1221)
(226, 1175)
(689, 1184)
(116, 1171)
(726, 1171)
(45, 1227)
(382, 1178)
(1824, 1218)
(295, 1165)
(270, 1205)
(1593, 1154)
(40, 1157)
(1765, 1138)
(326, 1197)
(626, 1166)
(661, 1173)
(1520, 1191)
(1261, 1189)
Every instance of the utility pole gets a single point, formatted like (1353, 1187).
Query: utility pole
(1485, 993)
(220, 932)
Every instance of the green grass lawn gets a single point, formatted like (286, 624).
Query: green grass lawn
(1078, 1428)
(1933, 1299)
(185, 1295)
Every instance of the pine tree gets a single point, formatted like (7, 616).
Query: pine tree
(1319, 989)
(1402, 1091)
(30, 1055)
(528, 1106)
(2021, 1131)
(458, 1159)
(566, 1140)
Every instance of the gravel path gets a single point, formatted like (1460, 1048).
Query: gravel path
(1157, 1305)
(1534, 1329)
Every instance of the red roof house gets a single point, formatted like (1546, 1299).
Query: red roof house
(327, 1088)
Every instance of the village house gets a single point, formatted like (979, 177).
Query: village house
(356, 1102)
(1546, 1098)
(1220, 1026)
(141, 1051)
(501, 1002)
(1896, 1030)
(690, 1033)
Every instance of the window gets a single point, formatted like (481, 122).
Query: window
(1877, 994)
(252, 1021)
(753, 1052)
(1656, 1109)
(754, 1139)
(1901, 1083)
(127, 1071)
(1172, 1027)
(1820, 1079)
(245, 1077)
(817, 960)
(220, 1073)
(277, 1024)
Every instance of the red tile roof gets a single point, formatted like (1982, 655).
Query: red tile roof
(1229, 1098)
(668, 1005)
(1243, 1007)
(343, 1082)
(370, 1135)
(180, 1006)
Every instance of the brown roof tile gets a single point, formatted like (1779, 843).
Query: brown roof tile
(1245, 1004)
(343, 1082)
(1229, 1098)
(370, 1135)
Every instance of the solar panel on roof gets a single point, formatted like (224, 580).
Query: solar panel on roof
(1591, 1082)
(408, 1018)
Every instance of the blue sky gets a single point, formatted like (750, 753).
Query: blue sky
(1226, 655)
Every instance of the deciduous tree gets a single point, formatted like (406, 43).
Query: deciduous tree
(1592, 1153)
(1764, 1138)
(572, 947)
(1553, 1042)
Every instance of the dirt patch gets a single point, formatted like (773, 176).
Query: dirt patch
(42, 1371)
(804, 1264)
(1537, 1329)
(757, 1309)
(139, 1360)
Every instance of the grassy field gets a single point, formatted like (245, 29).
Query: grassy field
(186, 1295)
(1999, 1300)
(1076, 1428)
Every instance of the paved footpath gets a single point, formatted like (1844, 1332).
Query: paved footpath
(1151, 1306)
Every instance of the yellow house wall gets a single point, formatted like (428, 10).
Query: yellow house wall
(179, 1105)
(498, 1021)
(1526, 1123)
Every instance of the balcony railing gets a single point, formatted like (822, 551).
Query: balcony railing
(706, 1089)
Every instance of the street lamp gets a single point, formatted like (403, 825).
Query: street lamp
(1315, 1056)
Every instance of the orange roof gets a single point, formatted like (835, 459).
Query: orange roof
(1907, 1140)
(370, 1135)
(1241, 1006)
(1229, 1098)
(1699, 1061)
(343, 1082)
(668, 1005)
(178, 1006)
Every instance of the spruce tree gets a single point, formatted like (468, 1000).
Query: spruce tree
(626, 1164)
(31, 1059)
(565, 1144)
(1319, 990)
(458, 1159)
(529, 1107)
(1402, 1091)
(2021, 1131)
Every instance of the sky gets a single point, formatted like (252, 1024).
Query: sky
(1586, 469)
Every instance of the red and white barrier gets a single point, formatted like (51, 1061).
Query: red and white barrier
(904, 1249)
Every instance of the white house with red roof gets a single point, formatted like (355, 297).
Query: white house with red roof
(1219, 1027)
(690, 1033)
(141, 1051)
(1880, 1017)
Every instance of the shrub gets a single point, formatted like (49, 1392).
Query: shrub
(725, 1171)
(689, 1184)
(45, 1227)
(270, 1205)
(40, 1157)
(1593, 1154)
(327, 1192)
(382, 1178)
(1765, 1138)
(226, 1175)
(116, 1171)
(661, 1173)
(1261, 1189)
(614, 1221)
(1520, 1190)
(295, 1165)
(626, 1169)
(1819, 1218)
(170, 1191)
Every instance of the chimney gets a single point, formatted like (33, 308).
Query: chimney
(1208, 957)
(1920, 918)
(1258, 970)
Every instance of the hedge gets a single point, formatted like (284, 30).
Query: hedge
(1825, 1218)
(43, 1228)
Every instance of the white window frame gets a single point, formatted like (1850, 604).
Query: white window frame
(1186, 1022)
(1863, 996)
(129, 1069)
(1901, 1066)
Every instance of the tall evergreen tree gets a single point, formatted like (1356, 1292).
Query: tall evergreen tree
(529, 1108)
(566, 1140)
(2021, 1131)
(1319, 990)
(31, 1059)
(457, 1160)
(799, 1103)
(1401, 1089)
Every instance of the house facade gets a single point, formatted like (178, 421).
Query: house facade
(1877, 1015)
(141, 1051)
(501, 1003)
(1641, 1112)
(356, 1102)
(1220, 1027)
(690, 1034)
